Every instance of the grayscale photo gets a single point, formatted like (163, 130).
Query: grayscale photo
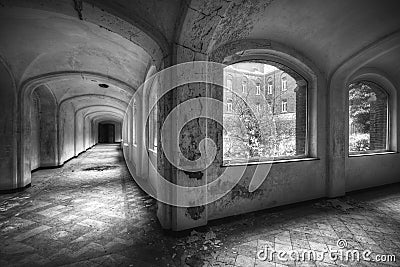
(200, 133)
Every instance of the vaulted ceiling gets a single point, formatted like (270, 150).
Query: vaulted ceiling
(81, 45)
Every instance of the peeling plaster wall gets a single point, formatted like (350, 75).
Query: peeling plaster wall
(118, 132)
(48, 127)
(382, 169)
(87, 131)
(66, 132)
(79, 146)
(206, 26)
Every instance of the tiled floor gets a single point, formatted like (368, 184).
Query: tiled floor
(88, 212)
(91, 213)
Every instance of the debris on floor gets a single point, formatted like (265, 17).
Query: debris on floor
(100, 168)
(335, 203)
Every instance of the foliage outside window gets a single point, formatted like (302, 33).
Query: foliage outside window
(255, 127)
(368, 118)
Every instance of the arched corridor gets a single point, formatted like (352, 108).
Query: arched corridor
(127, 124)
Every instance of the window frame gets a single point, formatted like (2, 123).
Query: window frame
(270, 86)
(244, 86)
(229, 81)
(387, 150)
(229, 106)
(302, 73)
(284, 103)
(258, 88)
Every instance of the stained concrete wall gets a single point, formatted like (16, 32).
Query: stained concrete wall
(48, 127)
(287, 182)
(8, 138)
(369, 171)
(79, 134)
(35, 131)
(66, 132)
(87, 133)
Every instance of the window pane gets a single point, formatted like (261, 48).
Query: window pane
(263, 124)
(368, 112)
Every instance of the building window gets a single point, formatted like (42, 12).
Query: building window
(258, 89)
(368, 118)
(258, 107)
(284, 106)
(244, 86)
(229, 106)
(270, 86)
(229, 84)
(153, 142)
(255, 128)
(284, 83)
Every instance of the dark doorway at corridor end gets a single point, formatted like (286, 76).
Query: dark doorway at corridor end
(106, 133)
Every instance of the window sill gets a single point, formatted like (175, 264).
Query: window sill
(233, 164)
(372, 153)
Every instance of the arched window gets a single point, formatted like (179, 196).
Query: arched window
(368, 118)
(270, 86)
(229, 83)
(257, 128)
(284, 83)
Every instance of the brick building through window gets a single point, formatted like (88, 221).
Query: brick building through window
(267, 123)
(368, 118)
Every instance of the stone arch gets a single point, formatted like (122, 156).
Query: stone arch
(114, 121)
(385, 82)
(48, 143)
(96, 116)
(26, 89)
(293, 64)
(341, 175)
(87, 125)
